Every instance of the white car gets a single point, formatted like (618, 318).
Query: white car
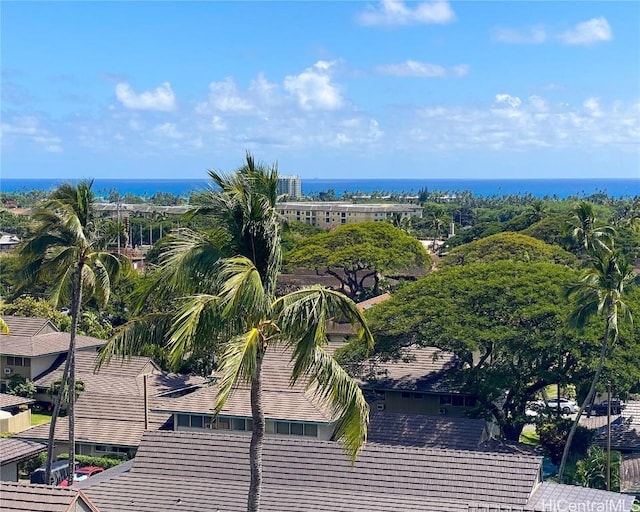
(566, 406)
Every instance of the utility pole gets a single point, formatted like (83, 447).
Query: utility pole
(609, 436)
(118, 226)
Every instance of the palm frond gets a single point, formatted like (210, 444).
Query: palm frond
(341, 393)
(4, 328)
(129, 338)
(239, 363)
(240, 290)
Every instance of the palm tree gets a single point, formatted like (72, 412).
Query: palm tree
(599, 292)
(66, 248)
(585, 232)
(233, 272)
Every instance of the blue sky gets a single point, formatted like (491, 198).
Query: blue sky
(344, 89)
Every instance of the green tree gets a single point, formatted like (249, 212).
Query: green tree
(355, 253)
(66, 248)
(585, 231)
(236, 306)
(592, 470)
(507, 246)
(26, 305)
(21, 386)
(599, 293)
(505, 321)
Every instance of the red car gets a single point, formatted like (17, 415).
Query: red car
(83, 474)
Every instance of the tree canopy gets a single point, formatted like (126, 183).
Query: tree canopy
(505, 320)
(355, 253)
(507, 246)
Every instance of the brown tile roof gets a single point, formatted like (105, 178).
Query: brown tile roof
(418, 369)
(183, 470)
(281, 401)
(630, 473)
(625, 435)
(27, 325)
(426, 431)
(368, 304)
(44, 344)
(12, 449)
(42, 498)
(8, 401)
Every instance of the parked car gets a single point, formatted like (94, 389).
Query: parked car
(566, 406)
(534, 408)
(59, 472)
(82, 474)
(600, 409)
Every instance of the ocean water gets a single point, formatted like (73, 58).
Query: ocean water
(561, 188)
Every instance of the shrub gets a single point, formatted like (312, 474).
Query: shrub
(553, 437)
(591, 471)
(21, 386)
(103, 462)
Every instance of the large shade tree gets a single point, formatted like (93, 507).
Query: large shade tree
(600, 292)
(360, 255)
(66, 251)
(505, 321)
(230, 276)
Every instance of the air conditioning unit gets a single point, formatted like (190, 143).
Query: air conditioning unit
(442, 412)
(380, 407)
(7, 371)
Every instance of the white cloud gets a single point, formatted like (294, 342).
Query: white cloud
(588, 32)
(168, 130)
(396, 12)
(412, 68)
(511, 101)
(224, 97)
(313, 88)
(529, 35)
(161, 99)
(29, 128)
(592, 106)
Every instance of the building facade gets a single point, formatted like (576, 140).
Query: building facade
(328, 215)
(290, 186)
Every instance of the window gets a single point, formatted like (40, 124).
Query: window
(196, 422)
(239, 424)
(282, 427)
(445, 399)
(457, 401)
(224, 423)
(183, 420)
(406, 395)
(11, 361)
(297, 429)
(270, 427)
(209, 422)
(310, 430)
(18, 361)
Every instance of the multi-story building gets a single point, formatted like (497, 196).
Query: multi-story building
(290, 186)
(331, 214)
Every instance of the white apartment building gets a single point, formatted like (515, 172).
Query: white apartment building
(331, 214)
(291, 186)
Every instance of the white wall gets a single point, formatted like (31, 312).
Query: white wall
(41, 364)
(9, 472)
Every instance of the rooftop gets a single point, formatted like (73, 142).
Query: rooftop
(27, 326)
(35, 498)
(12, 449)
(44, 344)
(9, 401)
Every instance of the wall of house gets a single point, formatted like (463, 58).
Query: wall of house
(101, 450)
(9, 472)
(24, 371)
(17, 423)
(421, 403)
(41, 364)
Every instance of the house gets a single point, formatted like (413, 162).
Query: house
(32, 347)
(29, 498)
(289, 409)
(110, 413)
(188, 470)
(418, 382)
(8, 242)
(13, 452)
(630, 474)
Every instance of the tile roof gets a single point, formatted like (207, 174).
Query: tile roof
(632, 412)
(418, 369)
(183, 470)
(552, 496)
(625, 435)
(8, 401)
(369, 303)
(42, 498)
(630, 473)
(44, 344)
(27, 325)
(426, 431)
(12, 449)
(281, 400)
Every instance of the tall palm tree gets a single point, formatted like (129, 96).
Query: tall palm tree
(585, 231)
(233, 272)
(66, 248)
(599, 293)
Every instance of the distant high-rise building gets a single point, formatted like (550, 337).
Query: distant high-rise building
(291, 186)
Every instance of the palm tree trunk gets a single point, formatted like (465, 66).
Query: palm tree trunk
(75, 313)
(587, 400)
(257, 437)
(54, 418)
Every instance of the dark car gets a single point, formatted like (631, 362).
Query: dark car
(600, 409)
(59, 472)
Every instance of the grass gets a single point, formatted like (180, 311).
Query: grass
(39, 419)
(530, 437)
